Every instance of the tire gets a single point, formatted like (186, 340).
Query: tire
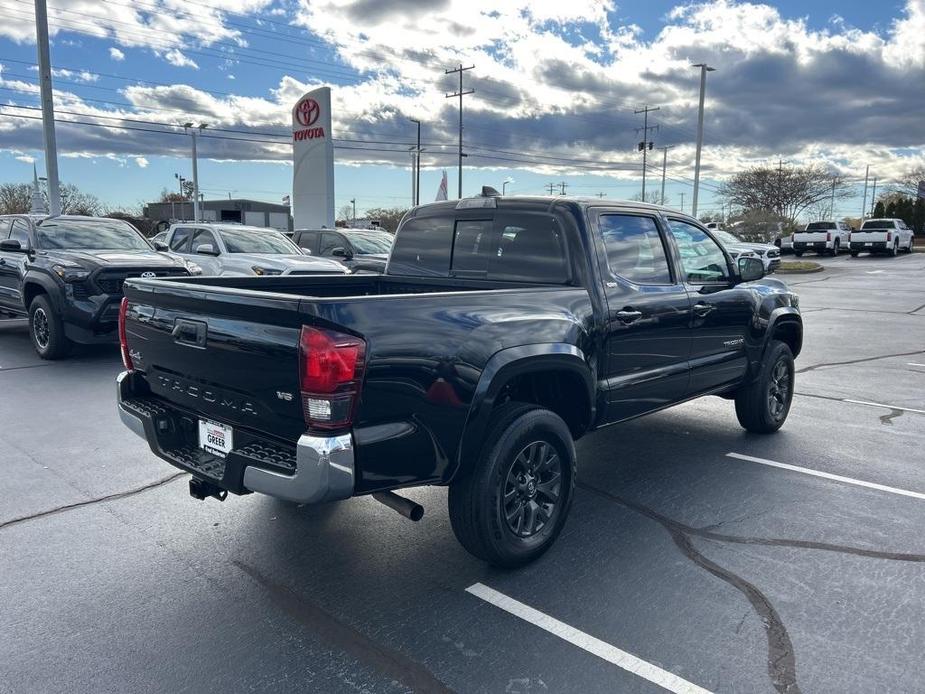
(798, 254)
(894, 251)
(835, 249)
(854, 254)
(523, 437)
(47, 330)
(754, 408)
(909, 247)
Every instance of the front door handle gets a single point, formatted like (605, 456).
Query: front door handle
(628, 315)
(702, 310)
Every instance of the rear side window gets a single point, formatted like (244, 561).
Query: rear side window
(422, 248)
(307, 240)
(634, 248)
(203, 237)
(529, 249)
(179, 242)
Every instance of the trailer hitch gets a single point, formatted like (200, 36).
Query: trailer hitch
(200, 489)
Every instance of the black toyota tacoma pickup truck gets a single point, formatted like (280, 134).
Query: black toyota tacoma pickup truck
(66, 272)
(503, 329)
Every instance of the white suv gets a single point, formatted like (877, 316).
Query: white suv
(826, 238)
(237, 250)
(882, 236)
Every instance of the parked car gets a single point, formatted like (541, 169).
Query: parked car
(767, 253)
(503, 329)
(826, 238)
(237, 250)
(882, 236)
(65, 274)
(358, 249)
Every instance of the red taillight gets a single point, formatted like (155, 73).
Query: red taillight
(123, 342)
(828, 237)
(889, 236)
(330, 374)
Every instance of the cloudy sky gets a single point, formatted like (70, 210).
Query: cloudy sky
(556, 86)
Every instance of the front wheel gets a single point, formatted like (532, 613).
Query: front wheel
(763, 405)
(47, 330)
(854, 254)
(511, 506)
(798, 254)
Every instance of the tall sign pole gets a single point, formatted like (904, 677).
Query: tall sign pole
(48, 108)
(704, 69)
(313, 161)
(864, 199)
(646, 144)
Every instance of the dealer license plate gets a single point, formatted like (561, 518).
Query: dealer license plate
(215, 438)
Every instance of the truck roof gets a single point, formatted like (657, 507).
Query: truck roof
(547, 201)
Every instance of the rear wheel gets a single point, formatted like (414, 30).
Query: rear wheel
(836, 248)
(894, 250)
(798, 254)
(47, 330)
(854, 254)
(763, 405)
(510, 507)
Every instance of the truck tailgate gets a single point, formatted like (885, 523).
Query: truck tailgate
(229, 358)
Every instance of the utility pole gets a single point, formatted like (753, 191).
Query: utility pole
(645, 145)
(416, 167)
(864, 200)
(550, 187)
(353, 202)
(664, 167)
(562, 187)
(873, 198)
(834, 183)
(601, 195)
(682, 202)
(48, 108)
(194, 131)
(704, 69)
(460, 93)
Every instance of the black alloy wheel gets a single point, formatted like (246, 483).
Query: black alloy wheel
(532, 489)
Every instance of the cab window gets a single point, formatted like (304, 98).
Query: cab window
(330, 241)
(20, 232)
(702, 259)
(179, 241)
(634, 248)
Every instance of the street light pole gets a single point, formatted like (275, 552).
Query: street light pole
(48, 108)
(664, 168)
(195, 133)
(417, 166)
(353, 202)
(704, 69)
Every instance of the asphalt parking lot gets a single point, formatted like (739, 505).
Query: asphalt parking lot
(696, 555)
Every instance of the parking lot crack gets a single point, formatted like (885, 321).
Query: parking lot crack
(90, 502)
(888, 418)
(781, 656)
(862, 360)
(337, 635)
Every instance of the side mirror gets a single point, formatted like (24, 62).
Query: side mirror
(750, 269)
(341, 252)
(12, 246)
(161, 246)
(206, 249)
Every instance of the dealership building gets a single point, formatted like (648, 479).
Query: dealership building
(250, 212)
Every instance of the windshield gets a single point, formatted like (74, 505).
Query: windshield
(90, 235)
(724, 236)
(376, 242)
(251, 241)
(878, 224)
(815, 226)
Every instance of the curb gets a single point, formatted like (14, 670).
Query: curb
(785, 271)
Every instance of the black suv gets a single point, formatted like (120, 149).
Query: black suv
(66, 273)
(358, 249)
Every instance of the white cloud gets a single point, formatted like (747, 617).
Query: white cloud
(175, 57)
(27, 158)
(142, 162)
(116, 54)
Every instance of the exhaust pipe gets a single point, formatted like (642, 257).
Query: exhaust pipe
(400, 504)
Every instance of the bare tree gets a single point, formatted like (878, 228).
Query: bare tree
(388, 217)
(909, 182)
(345, 214)
(15, 198)
(787, 192)
(75, 201)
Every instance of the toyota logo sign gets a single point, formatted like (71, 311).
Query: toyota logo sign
(148, 275)
(307, 112)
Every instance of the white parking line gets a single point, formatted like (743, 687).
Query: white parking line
(912, 363)
(586, 642)
(828, 476)
(880, 404)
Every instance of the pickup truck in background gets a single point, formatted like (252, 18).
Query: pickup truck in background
(504, 329)
(888, 236)
(826, 238)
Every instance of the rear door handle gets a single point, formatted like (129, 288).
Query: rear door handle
(703, 310)
(628, 315)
